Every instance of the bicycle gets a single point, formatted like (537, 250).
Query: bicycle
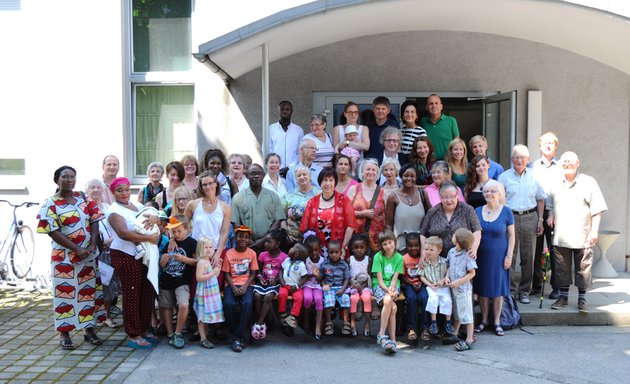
(19, 244)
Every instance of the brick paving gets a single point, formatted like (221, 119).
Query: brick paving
(30, 351)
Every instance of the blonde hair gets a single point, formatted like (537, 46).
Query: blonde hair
(463, 163)
(182, 191)
(436, 241)
(201, 244)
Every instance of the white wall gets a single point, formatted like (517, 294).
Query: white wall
(61, 94)
(584, 102)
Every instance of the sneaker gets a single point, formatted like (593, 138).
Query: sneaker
(555, 294)
(256, 331)
(433, 328)
(448, 327)
(582, 306)
(560, 303)
(237, 345)
(177, 341)
(525, 298)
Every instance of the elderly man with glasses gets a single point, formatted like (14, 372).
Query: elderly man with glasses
(526, 198)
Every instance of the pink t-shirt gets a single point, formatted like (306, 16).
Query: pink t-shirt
(270, 267)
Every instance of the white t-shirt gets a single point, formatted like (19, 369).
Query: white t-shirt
(292, 271)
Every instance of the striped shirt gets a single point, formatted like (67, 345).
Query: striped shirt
(408, 136)
(459, 264)
(434, 272)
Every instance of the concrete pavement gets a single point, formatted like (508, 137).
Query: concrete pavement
(29, 350)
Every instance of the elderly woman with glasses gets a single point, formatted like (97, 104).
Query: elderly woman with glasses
(325, 150)
(390, 138)
(368, 200)
(494, 256)
(450, 214)
(440, 173)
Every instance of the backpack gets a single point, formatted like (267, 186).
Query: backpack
(510, 316)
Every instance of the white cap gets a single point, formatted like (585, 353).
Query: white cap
(350, 129)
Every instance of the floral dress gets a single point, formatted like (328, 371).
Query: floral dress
(77, 290)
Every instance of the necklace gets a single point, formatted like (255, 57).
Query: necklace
(409, 198)
(484, 184)
(328, 199)
(490, 210)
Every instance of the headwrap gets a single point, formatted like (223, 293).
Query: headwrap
(118, 181)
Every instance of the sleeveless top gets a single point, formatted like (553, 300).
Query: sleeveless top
(407, 218)
(325, 150)
(357, 267)
(207, 224)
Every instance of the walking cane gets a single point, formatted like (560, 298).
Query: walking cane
(546, 267)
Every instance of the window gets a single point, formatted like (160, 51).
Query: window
(165, 128)
(161, 35)
(160, 84)
(13, 174)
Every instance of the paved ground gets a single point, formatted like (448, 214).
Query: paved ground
(29, 351)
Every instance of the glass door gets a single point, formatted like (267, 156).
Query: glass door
(499, 126)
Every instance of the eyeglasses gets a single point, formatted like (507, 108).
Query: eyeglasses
(313, 148)
(448, 197)
(391, 140)
(179, 199)
(490, 191)
(519, 158)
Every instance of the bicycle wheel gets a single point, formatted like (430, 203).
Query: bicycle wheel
(22, 252)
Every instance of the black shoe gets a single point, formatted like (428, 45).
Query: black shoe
(555, 294)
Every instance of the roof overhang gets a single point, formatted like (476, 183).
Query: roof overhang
(590, 32)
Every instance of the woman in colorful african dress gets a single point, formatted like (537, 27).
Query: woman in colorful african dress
(67, 217)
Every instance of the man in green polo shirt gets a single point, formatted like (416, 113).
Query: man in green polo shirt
(441, 129)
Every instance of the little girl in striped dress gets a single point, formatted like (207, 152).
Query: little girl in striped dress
(207, 305)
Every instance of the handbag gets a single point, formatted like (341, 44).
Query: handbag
(372, 203)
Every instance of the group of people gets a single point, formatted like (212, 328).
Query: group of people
(376, 211)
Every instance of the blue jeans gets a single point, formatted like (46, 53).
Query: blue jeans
(237, 326)
(412, 300)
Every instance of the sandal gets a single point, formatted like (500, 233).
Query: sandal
(92, 339)
(354, 333)
(462, 346)
(347, 329)
(262, 331)
(412, 335)
(480, 328)
(139, 343)
(498, 330)
(111, 323)
(425, 336)
(205, 343)
(328, 328)
(291, 321)
(66, 343)
(367, 333)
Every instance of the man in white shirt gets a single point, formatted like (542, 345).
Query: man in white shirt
(576, 205)
(547, 170)
(526, 198)
(284, 136)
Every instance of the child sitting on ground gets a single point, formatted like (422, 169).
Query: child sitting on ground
(461, 270)
(386, 267)
(177, 270)
(360, 288)
(292, 278)
(239, 268)
(434, 277)
(207, 304)
(312, 289)
(335, 275)
(415, 294)
(268, 280)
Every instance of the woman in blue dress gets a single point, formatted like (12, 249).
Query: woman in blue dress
(494, 256)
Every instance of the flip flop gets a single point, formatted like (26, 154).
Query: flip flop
(139, 344)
